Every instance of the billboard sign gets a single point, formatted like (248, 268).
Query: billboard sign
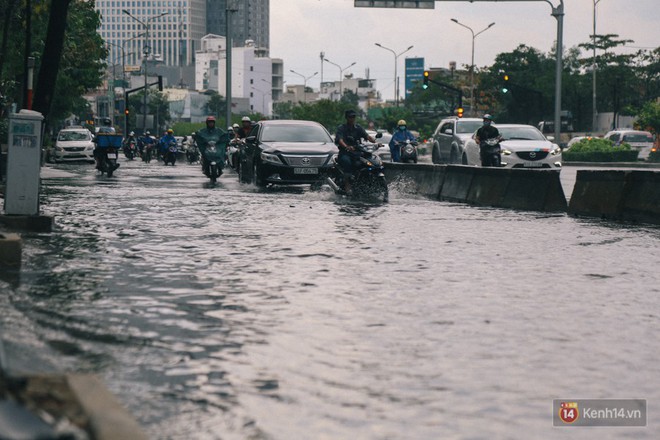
(414, 73)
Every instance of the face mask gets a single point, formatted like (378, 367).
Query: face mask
(402, 127)
(486, 122)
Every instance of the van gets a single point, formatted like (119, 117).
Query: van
(641, 141)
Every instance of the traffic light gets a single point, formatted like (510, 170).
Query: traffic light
(425, 85)
(505, 85)
(126, 112)
(459, 112)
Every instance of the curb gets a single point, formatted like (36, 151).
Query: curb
(10, 250)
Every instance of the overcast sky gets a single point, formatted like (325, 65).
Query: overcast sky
(301, 29)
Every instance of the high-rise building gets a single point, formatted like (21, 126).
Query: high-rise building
(166, 31)
(250, 21)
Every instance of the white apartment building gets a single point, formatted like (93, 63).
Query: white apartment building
(167, 31)
(254, 75)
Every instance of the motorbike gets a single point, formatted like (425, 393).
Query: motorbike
(169, 156)
(408, 151)
(107, 160)
(130, 150)
(147, 153)
(192, 153)
(490, 151)
(213, 161)
(233, 153)
(368, 178)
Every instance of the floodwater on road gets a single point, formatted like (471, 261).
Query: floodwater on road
(231, 312)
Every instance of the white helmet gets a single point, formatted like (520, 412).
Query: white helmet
(246, 119)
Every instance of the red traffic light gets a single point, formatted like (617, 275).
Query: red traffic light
(459, 112)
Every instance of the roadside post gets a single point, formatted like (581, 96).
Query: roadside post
(23, 163)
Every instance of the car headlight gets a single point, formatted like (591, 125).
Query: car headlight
(272, 158)
(555, 151)
(507, 152)
(58, 148)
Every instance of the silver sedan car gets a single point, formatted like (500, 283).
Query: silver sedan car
(523, 146)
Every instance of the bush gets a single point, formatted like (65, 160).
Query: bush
(599, 150)
(654, 156)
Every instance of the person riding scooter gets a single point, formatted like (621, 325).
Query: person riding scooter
(209, 134)
(488, 138)
(400, 136)
(347, 152)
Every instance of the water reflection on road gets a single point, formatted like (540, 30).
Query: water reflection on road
(229, 312)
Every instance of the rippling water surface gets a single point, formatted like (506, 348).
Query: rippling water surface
(228, 312)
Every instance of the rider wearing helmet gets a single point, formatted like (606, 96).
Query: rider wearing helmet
(206, 135)
(487, 131)
(246, 127)
(165, 140)
(401, 135)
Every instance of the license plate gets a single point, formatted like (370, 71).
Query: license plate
(532, 164)
(305, 171)
(112, 155)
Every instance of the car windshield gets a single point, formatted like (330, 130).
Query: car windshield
(637, 137)
(468, 126)
(521, 133)
(294, 133)
(74, 136)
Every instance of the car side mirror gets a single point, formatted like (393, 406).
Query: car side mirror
(550, 138)
(449, 131)
(251, 139)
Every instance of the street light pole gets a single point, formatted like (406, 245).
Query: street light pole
(594, 123)
(341, 73)
(472, 103)
(145, 51)
(396, 80)
(304, 81)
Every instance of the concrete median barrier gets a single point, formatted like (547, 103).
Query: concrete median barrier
(457, 182)
(617, 195)
(29, 223)
(488, 187)
(534, 190)
(424, 179)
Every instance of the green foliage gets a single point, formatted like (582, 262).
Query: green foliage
(654, 156)
(328, 113)
(216, 105)
(648, 117)
(187, 128)
(599, 150)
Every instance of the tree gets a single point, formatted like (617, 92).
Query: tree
(648, 117)
(216, 104)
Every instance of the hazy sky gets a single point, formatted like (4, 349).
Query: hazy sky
(301, 29)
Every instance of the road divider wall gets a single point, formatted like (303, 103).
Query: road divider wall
(533, 190)
(617, 195)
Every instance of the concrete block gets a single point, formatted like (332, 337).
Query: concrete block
(598, 193)
(641, 201)
(28, 223)
(457, 182)
(488, 186)
(424, 179)
(534, 190)
(11, 249)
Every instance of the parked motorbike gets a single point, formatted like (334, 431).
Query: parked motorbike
(107, 160)
(169, 155)
(491, 153)
(408, 151)
(213, 161)
(130, 150)
(368, 179)
(233, 153)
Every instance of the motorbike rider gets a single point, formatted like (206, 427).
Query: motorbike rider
(401, 135)
(130, 138)
(164, 142)
(348, 154)
(489, 157)
(203, 137)
(246, 126)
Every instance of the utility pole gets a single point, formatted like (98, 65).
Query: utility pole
(230, 10)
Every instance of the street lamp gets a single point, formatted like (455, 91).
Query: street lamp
(341, 73)
(396, 79)
(145, 50)
(472, 103)
(594, 123)
(305, 81)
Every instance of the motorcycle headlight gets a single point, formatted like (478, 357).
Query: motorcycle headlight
(271, 158)
(507, 152)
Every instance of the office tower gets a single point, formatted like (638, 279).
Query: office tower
(250, 21)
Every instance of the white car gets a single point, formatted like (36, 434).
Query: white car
(74, 144)
(523, 146)
(641, 141)
(384, 152)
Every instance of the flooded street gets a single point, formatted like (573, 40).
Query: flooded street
(229, 312)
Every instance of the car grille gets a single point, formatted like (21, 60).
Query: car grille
(532, 155)
(305, 160)
(74, 149)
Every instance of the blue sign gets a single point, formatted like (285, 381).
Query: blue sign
(414, 73)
